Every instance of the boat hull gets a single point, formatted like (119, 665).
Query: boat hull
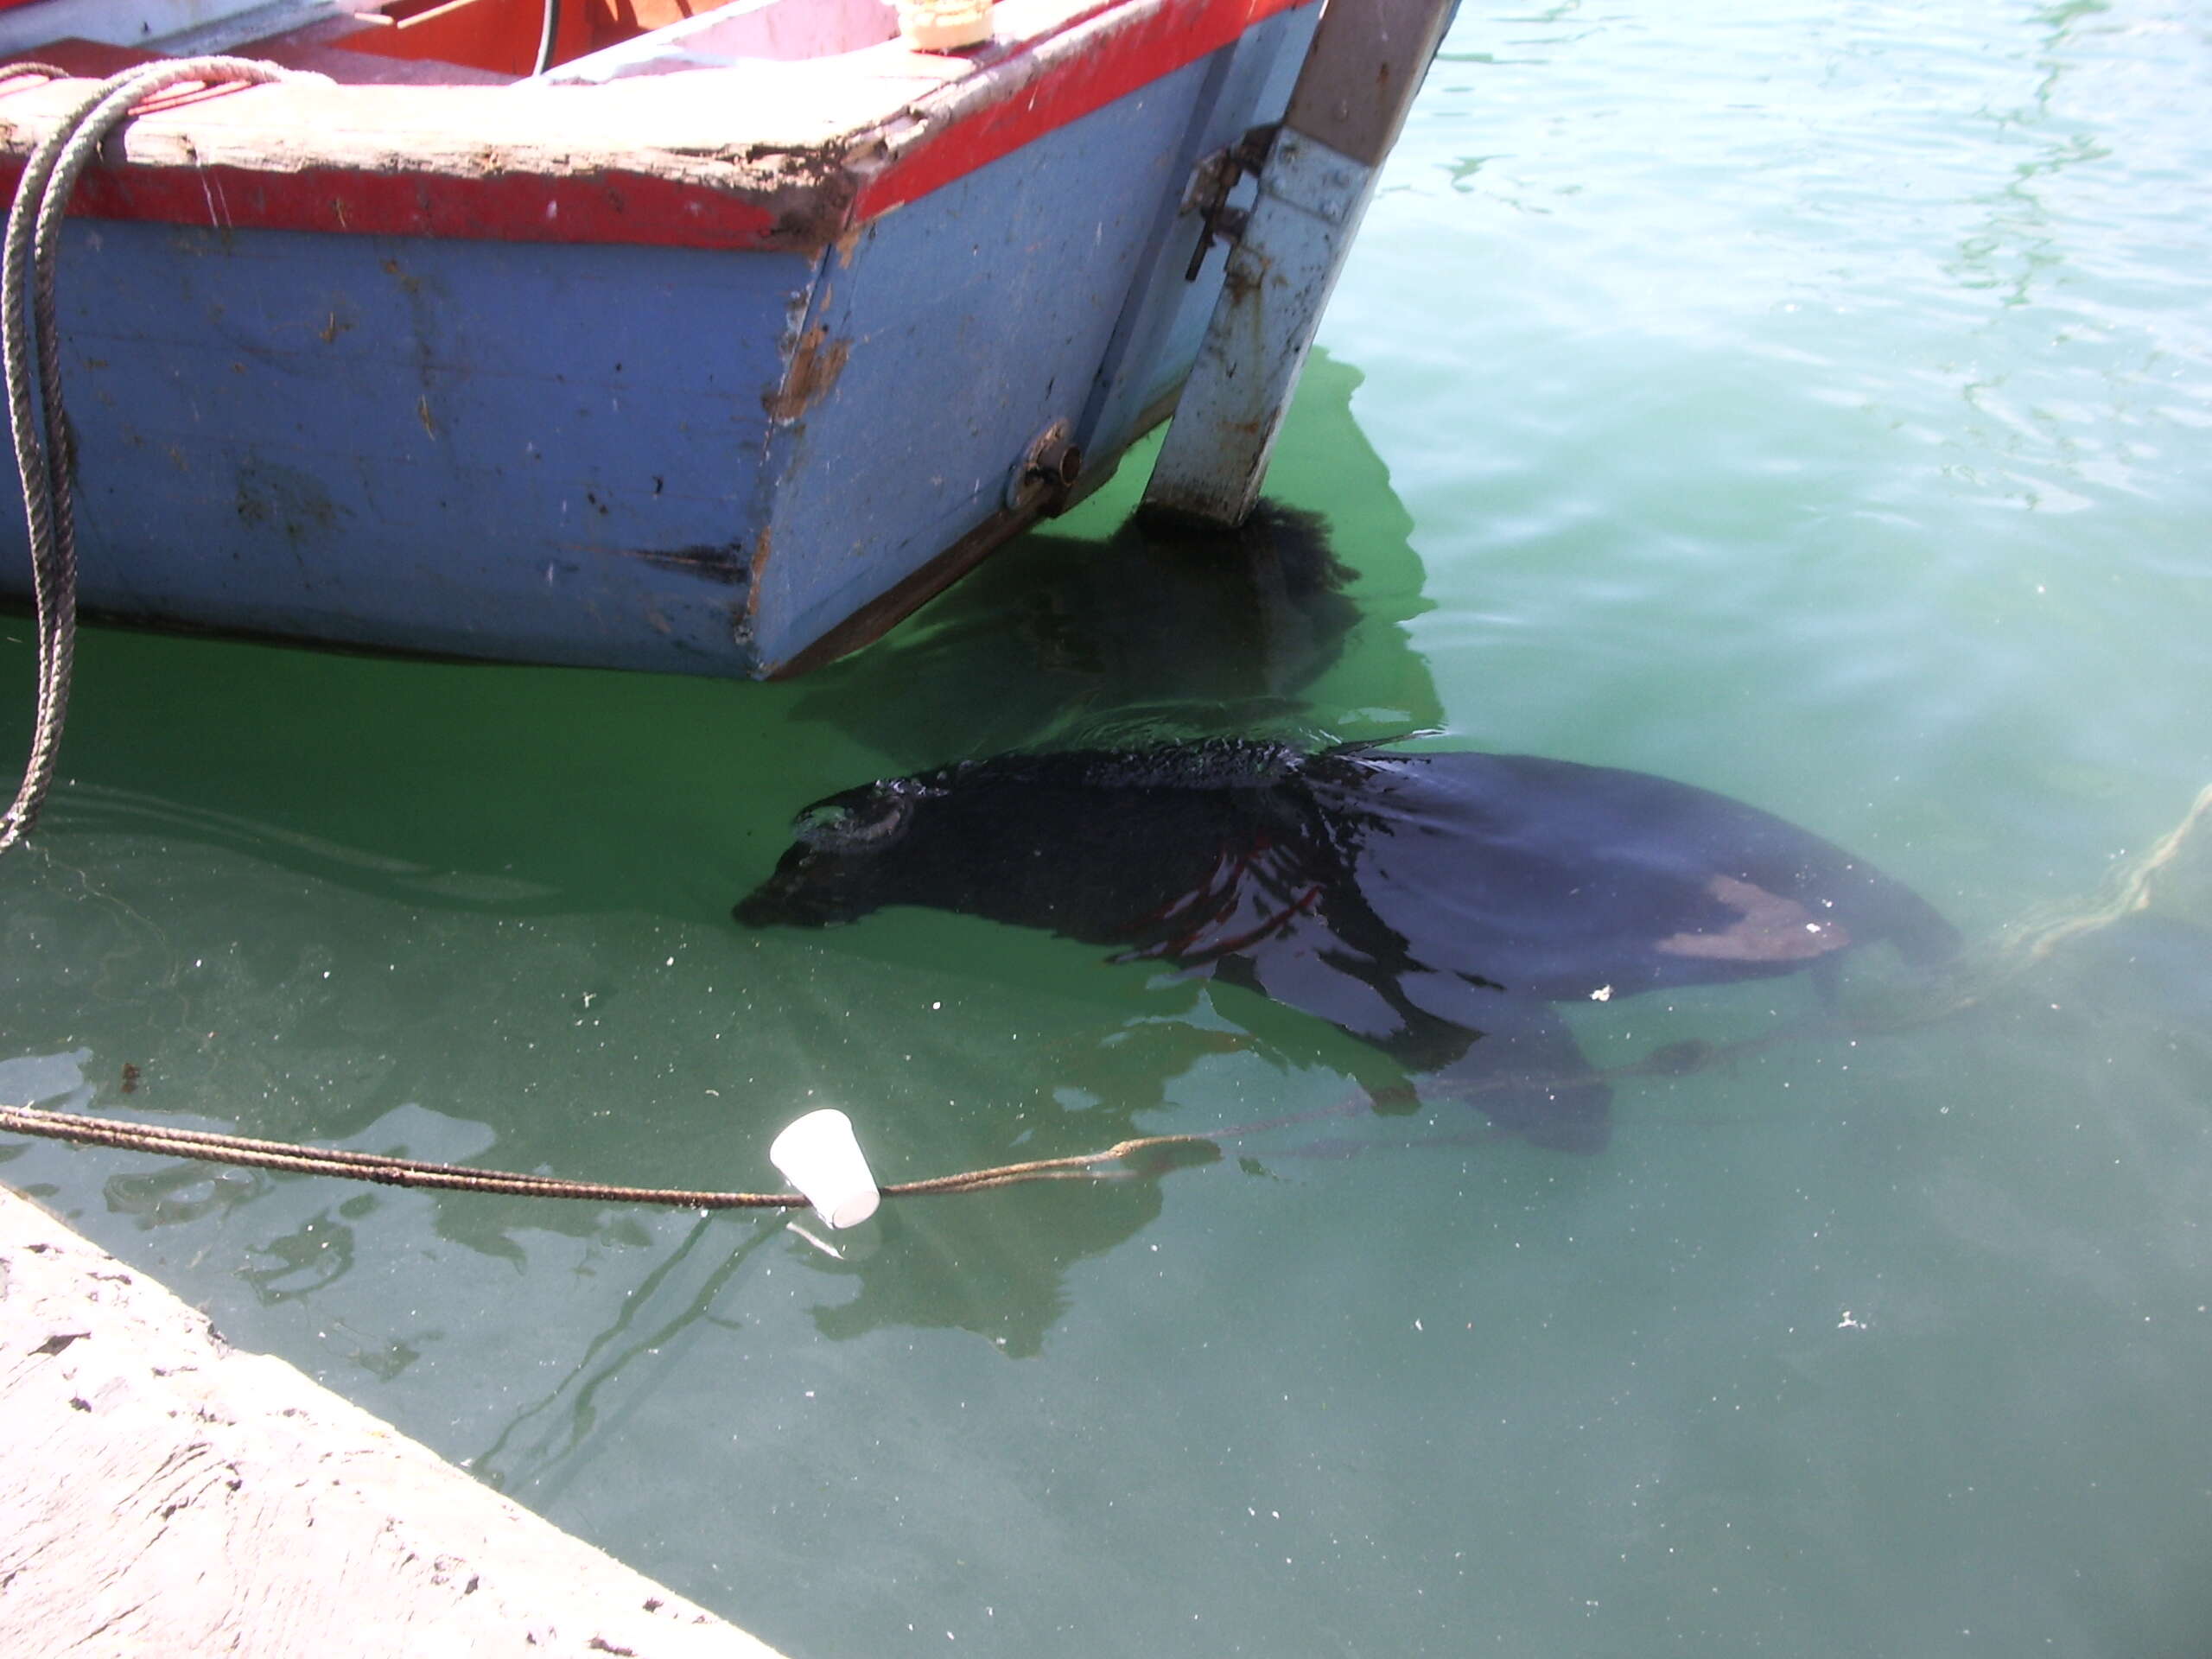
(479, 439)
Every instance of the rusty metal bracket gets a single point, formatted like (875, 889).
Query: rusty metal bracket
(1047, 472)
(1211, 181)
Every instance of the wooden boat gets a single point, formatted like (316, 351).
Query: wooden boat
(715, 347)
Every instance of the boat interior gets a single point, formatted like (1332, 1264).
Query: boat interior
(443, 42)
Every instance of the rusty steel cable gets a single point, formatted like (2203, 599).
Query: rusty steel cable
(461, 1178)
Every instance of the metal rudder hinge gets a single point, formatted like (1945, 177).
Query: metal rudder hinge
(1211, 181)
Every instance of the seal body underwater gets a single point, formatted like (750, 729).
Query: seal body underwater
(1435, 905)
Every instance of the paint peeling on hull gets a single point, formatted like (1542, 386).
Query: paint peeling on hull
(813, 373)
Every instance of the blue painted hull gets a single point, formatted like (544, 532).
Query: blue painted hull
(732, 461)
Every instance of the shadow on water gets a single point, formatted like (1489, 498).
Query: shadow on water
(1154, 627)
(1105, 630)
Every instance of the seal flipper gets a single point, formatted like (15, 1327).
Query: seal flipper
(1526, 1075)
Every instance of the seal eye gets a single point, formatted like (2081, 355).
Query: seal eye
(850, 824)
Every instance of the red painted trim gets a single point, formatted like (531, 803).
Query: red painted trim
(1168, 40)
(633, 208)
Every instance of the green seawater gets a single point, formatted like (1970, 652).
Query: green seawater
(1813, 403)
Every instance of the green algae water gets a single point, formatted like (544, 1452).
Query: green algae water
(1813, 405)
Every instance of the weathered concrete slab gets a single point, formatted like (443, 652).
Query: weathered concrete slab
(164, 1493)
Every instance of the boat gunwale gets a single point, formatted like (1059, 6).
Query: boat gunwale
(647, 160)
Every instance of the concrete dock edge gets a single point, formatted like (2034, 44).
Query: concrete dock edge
(164, 1493)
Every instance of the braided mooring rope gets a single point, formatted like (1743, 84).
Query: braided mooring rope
(45, 464)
